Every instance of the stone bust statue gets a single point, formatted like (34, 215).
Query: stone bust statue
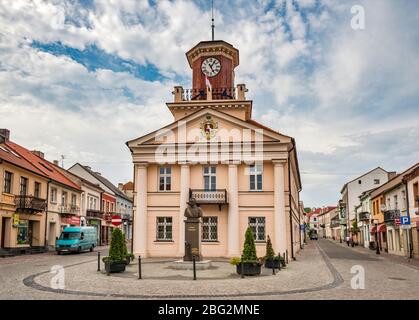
(193, 211)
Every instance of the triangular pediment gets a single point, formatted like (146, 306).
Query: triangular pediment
(209, 125)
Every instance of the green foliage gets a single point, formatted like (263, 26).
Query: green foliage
(354, 228)
(125, 246)
(307, 210)
(249, 248)
(235, 261)
(116, 252)
(270, 254)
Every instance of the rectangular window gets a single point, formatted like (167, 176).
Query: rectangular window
(210, 178)
(23, 186)
(209, 229)
(37, 190)
(255, 175)
(8, 178)
(73, 200)
(64, 198)
(396, 203)
(53, 195)
(376, 181)
(164, 229)
(257, 224)
(165, 179)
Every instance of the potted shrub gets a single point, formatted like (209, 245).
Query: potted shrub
(249, 262)
(270, 260)
(116, 261)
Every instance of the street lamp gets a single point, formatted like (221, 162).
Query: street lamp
(376, 236)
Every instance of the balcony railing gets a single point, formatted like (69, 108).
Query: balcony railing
(364, 216)
(201, 94)
(30, 203)
(209, 197)
(126, 217)
(69, 209)
(95, 214)
(391, 215)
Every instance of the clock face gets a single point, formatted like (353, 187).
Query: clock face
(211, 67)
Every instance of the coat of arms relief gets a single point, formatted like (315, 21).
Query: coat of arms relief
(209, 128)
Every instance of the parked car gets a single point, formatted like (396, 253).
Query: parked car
(314, 236)
(76, 239)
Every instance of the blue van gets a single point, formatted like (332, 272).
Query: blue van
(76, 239)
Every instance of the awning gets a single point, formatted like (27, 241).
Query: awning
(382, 228)
(373, 229)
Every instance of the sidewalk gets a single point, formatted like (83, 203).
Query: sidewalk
(414, 263)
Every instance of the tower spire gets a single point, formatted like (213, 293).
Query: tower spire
(212, 19)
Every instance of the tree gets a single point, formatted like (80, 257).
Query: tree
(270, 254)
(116, 251)
(249, 248)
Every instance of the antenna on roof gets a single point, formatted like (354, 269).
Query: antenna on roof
(62, 161)
(212, 19)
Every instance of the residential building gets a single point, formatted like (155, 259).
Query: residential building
(23, 202)
(64, 196)
(324, 221)
(351, 191)
(364, 219)
(411, 181)
(390, 202)
(241, 173)
(114, 202)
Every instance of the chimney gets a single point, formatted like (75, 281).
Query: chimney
(120, 186)
(392, 174)
(56, 163)
(38, 153)
(98, 173)
(4, 135)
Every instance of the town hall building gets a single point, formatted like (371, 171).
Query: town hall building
(240, 172)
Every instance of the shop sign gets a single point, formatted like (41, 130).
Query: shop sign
(93, 222)
(15, 220)
(73, 221)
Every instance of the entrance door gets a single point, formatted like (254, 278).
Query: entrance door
(52, 235)
(3, 231)
(30, 232)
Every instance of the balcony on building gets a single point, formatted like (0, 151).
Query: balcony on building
(364, 216)
(202, 196)
(94, 214)
(126, 217)
(30, 204)
(182, 94)
(69, 209)
(391, 215)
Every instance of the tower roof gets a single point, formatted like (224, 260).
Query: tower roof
(217, 47)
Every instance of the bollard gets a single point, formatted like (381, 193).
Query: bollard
(194, 267)
(287, 256)
(98, 261)
(139, 268)
(273, 267)
(242, 267)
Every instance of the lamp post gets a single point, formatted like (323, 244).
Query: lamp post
(376, 236)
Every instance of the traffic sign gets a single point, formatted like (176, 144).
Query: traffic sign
(405, 220)
(116, 220)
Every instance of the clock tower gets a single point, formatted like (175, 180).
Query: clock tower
(215, 60)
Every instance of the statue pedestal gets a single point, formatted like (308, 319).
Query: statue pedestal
(192, 239)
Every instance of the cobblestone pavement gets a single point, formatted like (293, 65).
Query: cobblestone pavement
(322, 271)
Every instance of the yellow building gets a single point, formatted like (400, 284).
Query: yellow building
(23, 202)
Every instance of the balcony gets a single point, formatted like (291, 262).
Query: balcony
(69, 209)
(209, 197)
(202, 94)
(364, 216)
(30, 204)
(94, 214)
(126, 217)
(391, 215)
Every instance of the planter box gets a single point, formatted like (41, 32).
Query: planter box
(249, 269)
(272, 264)
(114, 267)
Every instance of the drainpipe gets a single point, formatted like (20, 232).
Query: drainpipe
(289, 199)
(46, 218)
(132, 214)
(409, 231)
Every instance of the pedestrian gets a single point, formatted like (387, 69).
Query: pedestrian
(347, 240)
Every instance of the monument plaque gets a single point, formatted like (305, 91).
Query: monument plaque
(193, 215)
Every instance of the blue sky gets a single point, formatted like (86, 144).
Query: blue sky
(79, 78)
